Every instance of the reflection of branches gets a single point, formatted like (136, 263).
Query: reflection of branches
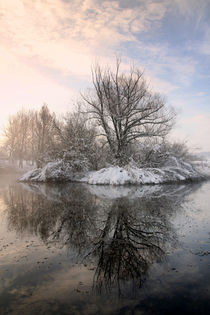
(75, 226)
(68, 219)
(127, 246)
(136, 233)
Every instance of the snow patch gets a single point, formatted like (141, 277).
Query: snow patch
(174, 171)
(51, 172)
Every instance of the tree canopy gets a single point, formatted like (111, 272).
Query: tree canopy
(125, 108)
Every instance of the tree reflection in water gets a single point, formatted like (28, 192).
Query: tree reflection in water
(64, 216)
(129, 243)
(123, 236)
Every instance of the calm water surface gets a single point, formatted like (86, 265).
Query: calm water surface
(79, 249)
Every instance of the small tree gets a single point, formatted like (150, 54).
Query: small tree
(125, 108)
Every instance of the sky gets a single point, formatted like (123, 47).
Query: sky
(47, 48)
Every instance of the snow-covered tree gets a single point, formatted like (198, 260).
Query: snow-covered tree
(78, 145)
(126, 109)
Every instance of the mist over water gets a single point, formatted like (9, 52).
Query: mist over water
(82, 249)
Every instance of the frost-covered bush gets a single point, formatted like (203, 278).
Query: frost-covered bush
(52, 171)
(79, 142)
(77, 160)
(75, 144)
(158, 154)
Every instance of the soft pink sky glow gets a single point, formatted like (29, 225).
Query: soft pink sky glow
(48, 47)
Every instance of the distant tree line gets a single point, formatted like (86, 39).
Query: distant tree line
(120, 120)
(29, 135)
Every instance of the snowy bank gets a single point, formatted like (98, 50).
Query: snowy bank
(57, 171)
(203, 167)
(178, 172)
(174, 171)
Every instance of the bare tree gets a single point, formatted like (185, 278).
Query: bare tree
(17, 136)
(30, 135)
(125, 108)
(44, 133)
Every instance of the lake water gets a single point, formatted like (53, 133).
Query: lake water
(82, 249)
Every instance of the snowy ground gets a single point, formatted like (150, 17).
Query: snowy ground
(128, 175)
(175, 171)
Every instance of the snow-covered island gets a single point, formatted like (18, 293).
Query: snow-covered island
(176, 171)
(117, 135)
